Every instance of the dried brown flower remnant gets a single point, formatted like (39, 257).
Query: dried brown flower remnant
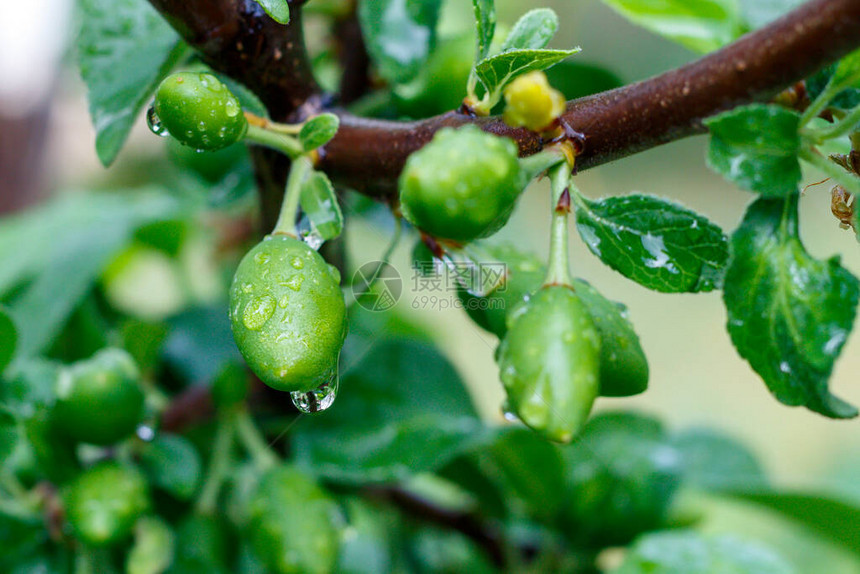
(842, 205)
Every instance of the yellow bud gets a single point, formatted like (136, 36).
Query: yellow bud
(532, 103)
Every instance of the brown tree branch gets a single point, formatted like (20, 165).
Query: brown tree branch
(368, 155)
(237, 38)
(351, 50)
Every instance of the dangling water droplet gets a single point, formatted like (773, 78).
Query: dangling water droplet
(508, 413)
(154, 123)
(258, 312)
(317, 400)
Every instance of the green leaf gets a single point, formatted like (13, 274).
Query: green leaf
(658, 244)
(292, 525)
(200, 343)
(756, 148)
(28, 384)
(54, 454)
(125, 48)
(152, 551)
(171, 462)
(847, 74)
(688, 552)
(20, 539)
(789, 314)
(700, 25)
(318, 130)
(368, 551)
(8, 339)
(485, 22)
(758, 13)
(82, 233)
(399, 34)
(401, 410)
(715, 461)
(445, 550)
(531, 467)
(532, 31)
(622, 478)
(9, 434)
(844, 100)
(143, 341)
(834, 519)
(319, 203)
(202, 544)
(278, 10)
(498, 71)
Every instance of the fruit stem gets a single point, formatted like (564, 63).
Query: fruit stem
(219, 464)
(819, 104)
(844, 126)
(269, 125)
(534, 165)
(558, 269)
(254, 442)
(283, 143)
(299, 173)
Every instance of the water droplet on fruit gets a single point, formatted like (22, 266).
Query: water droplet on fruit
(297, 262)
(154, 123)
(317, 400)
(231, 108)
(295, 282)
(261, 258)
(258, 311)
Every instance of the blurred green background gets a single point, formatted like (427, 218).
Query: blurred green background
(697, 378)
